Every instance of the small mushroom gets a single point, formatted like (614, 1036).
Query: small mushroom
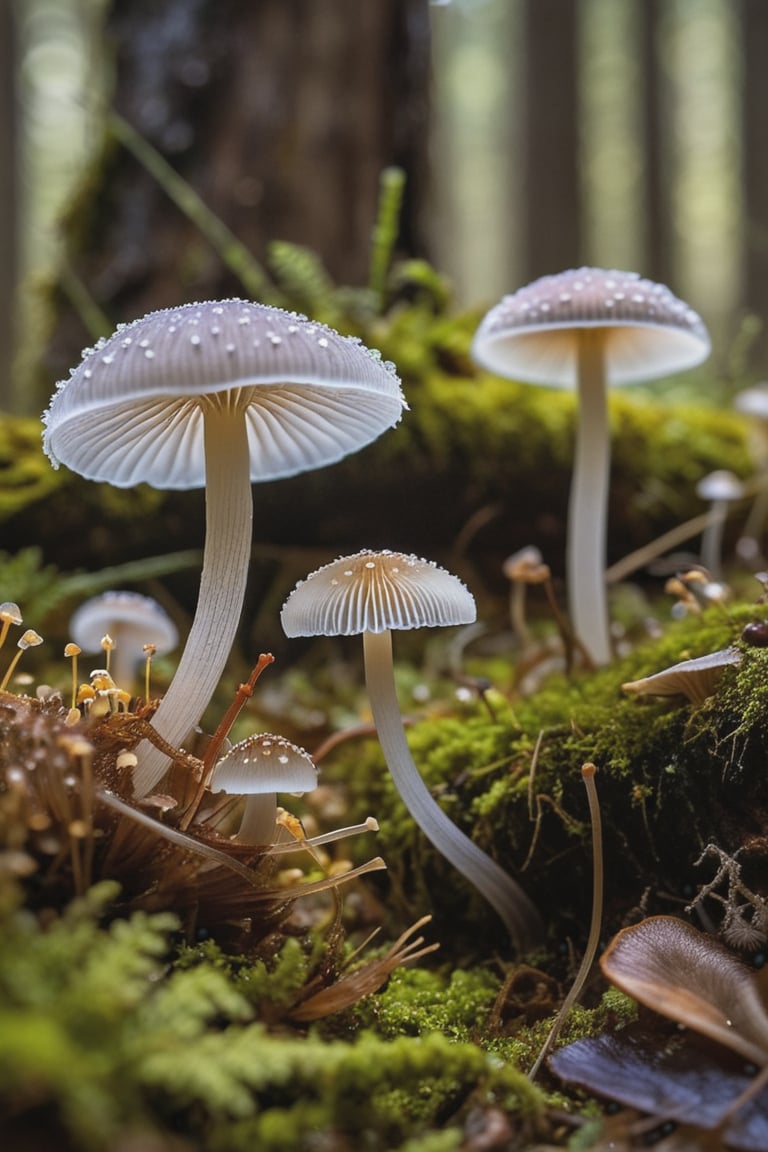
(218, 394)
(698, 982)
(372, 593)
(588, 329)
(720, 488)
(29, 639)
(258, 768)
(10, 613)
(695, 679)
(524, 567)
(130, 621)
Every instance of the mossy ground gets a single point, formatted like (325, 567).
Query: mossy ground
(113, 1026)
(121, 1032)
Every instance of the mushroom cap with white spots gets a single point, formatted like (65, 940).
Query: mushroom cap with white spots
(532, 335)
(264, 763)
(139, 620)
(374, 592)
(132, 411)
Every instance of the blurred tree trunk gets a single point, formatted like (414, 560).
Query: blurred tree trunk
(8, 203)
(655, 176)
(755, 102)
(280, 114)
(552, 208)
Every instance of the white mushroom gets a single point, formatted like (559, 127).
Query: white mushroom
(720, 488)
(132, 621)
(258, 768)
(372, 593)
(694, 679)
(217, 394)
(587, 329)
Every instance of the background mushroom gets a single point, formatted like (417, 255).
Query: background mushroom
(258, 768)
(217, 394)
(720, 488)
(132, 621)
(587, 329)
(372, 593)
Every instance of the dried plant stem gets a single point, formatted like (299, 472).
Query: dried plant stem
(588, 776)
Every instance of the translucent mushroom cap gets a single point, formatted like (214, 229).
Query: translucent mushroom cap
(374, 592)
(532, 335)
(138, 620)
(132, 411)
(264, 764)
(753, 401)
(720, 485)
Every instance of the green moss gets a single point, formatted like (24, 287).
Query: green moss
(670, 777)
(26, 476)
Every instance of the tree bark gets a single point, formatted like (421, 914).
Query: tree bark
(8, 203)
(655, 98)
(755, 100)
(552, 201)
(280, 114)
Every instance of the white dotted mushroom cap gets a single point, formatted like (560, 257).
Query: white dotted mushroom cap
(532, 335)
(373, 592)
(132, 411)
(264, 763)
(139, 619)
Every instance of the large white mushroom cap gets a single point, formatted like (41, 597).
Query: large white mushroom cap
(530, 335)
(132, 411)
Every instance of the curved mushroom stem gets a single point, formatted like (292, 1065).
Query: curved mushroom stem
(500, 890)
(587, 512)
(228, 515)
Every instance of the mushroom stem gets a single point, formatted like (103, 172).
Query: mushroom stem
(228, 514)
(712, 539)
(259, 819)
(587, 514)
(499, 889)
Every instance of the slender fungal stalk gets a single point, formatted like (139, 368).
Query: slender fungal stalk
(712, 539)
(587, 513)
(587, 960)
(228, 514)
(499, 889)
(259, 819)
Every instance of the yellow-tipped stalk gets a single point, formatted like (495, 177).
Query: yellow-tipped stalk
(149, 651)
(108, 646)
(30, 639)
(71, 652)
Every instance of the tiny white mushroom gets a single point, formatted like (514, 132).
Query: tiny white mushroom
(131, 621)
(720, 488)
(372, 593)
(218, 411)
(258, 768)
(588, 329)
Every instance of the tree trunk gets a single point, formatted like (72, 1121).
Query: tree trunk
(8, 204)
(552, 201)
(280, 115)
(655, 96)
(755, 98)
